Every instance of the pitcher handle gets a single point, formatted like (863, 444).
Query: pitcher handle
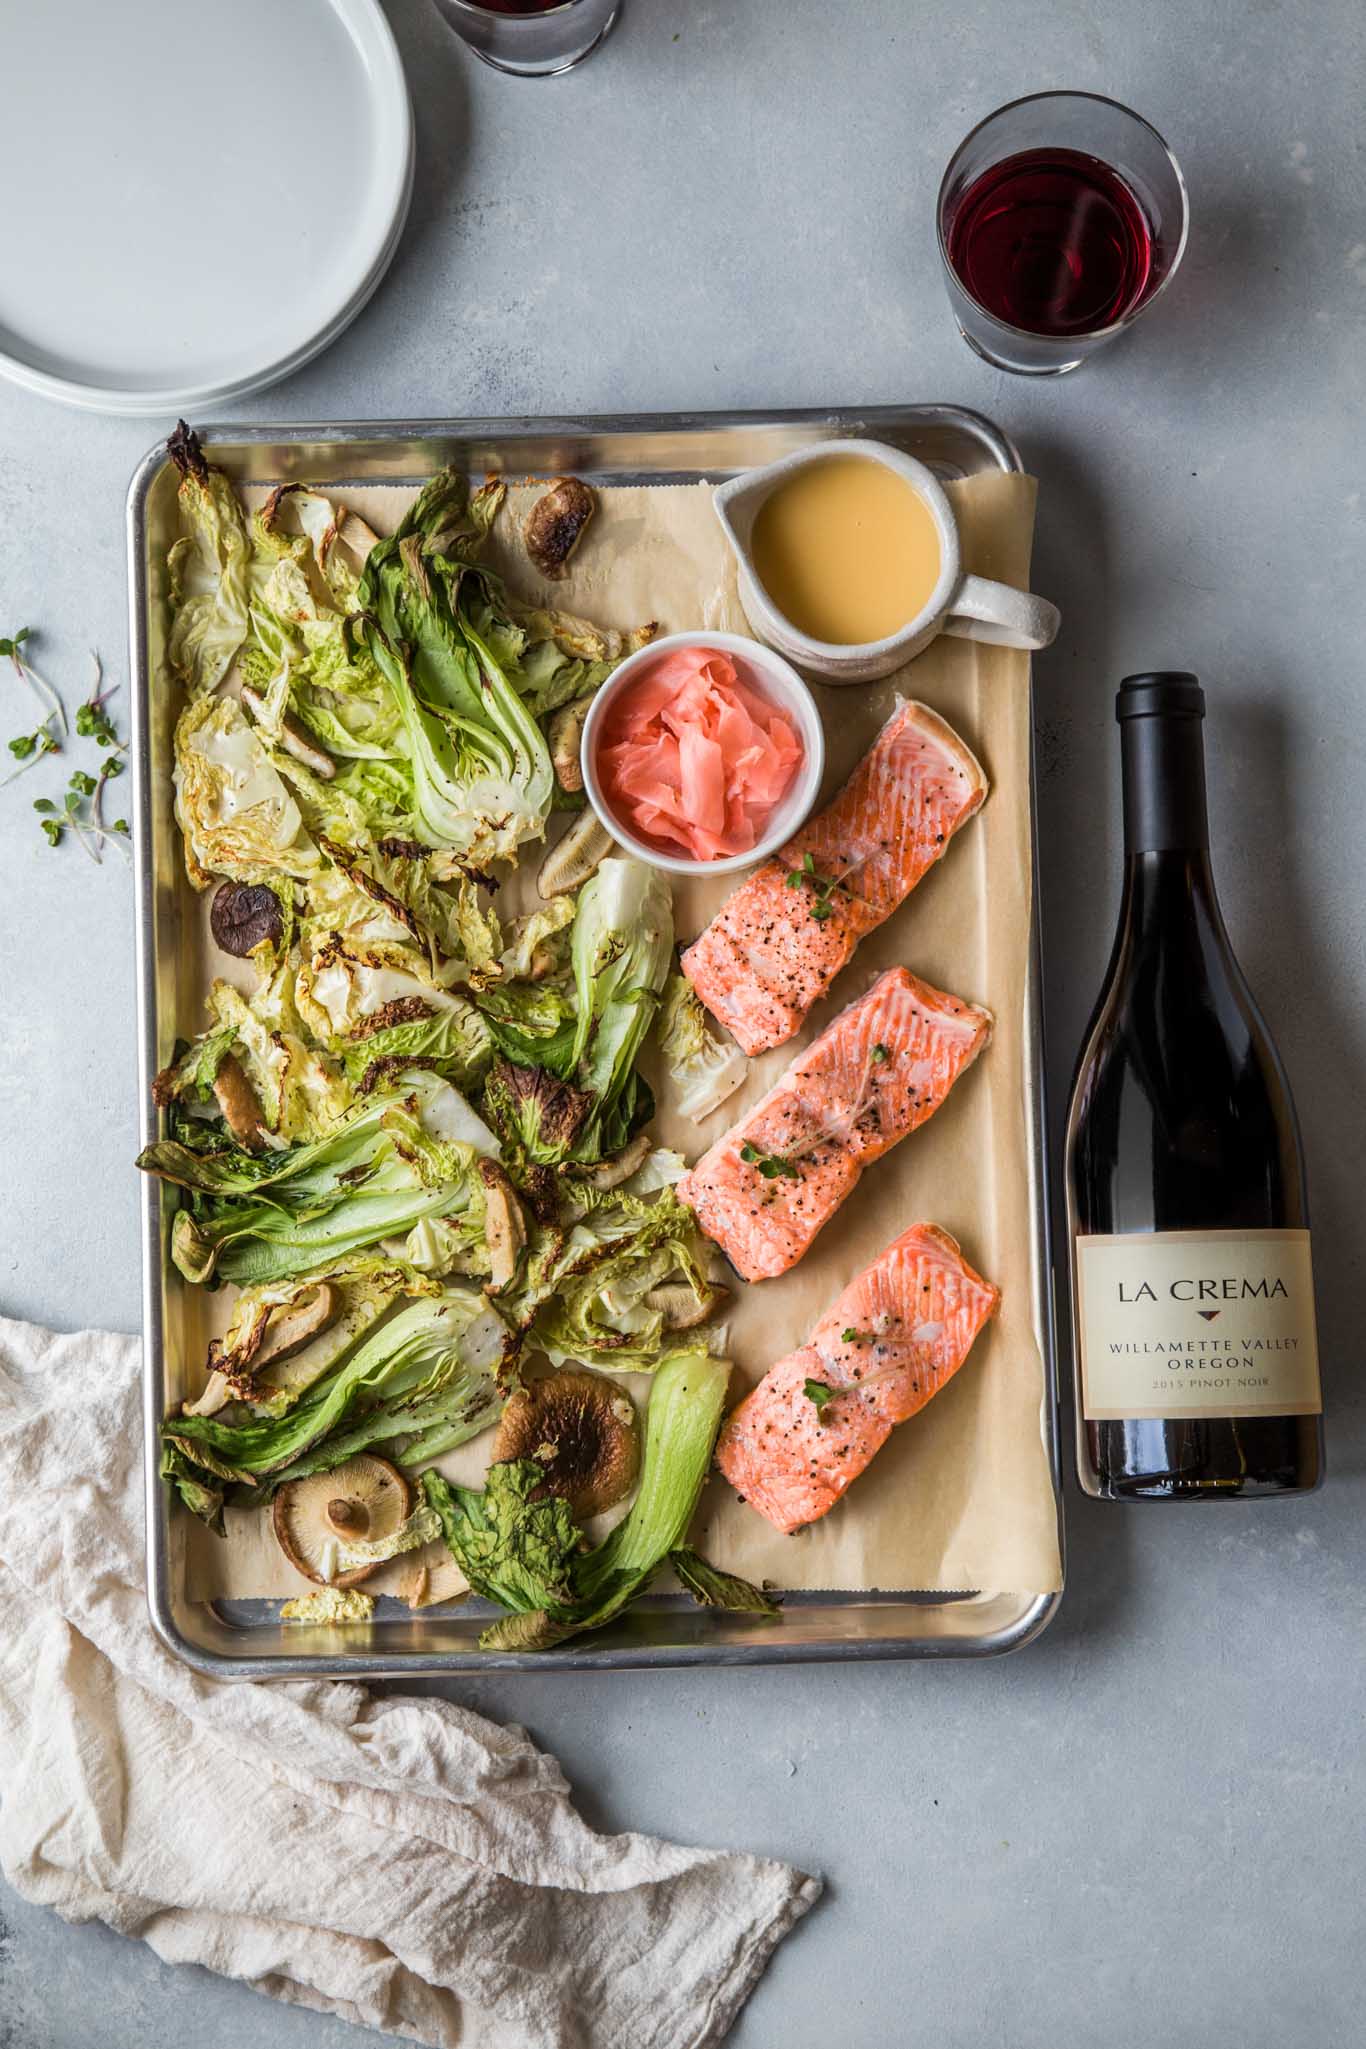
(997, 612)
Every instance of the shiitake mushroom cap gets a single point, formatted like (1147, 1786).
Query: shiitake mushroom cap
(364, 1498)
(243, 915)
(582, 1430)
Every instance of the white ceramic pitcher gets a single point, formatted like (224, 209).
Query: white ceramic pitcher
(974, 607)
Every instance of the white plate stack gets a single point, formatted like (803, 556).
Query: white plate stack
(198, 197)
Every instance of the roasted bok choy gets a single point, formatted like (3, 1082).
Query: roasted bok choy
(379, 1175)
(420, 1383)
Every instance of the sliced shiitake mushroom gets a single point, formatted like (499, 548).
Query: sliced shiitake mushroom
(243, 915)
(572, 859)
(504, 1226)
(682, 1306)
(236, 1098)
(297, 1324)
(294, 738)
(276, 1334)
(581, 1429)
(357, 1502)
(564, 731)
(611, 1173)
(554, 526)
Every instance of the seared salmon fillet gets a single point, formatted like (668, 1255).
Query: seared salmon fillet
(777, 944)
(878, 1070)
(884, 1347)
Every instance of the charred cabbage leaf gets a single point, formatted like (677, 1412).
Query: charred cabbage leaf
(299, 1093)
(398, 891)
(377, 1004)
(538, 1117)
(703, 1070)
(569, 1086)
(711, 1588)
(514, 1542)
(234, 808)
(302, 1094)
(481, 766)
(533, 1023)
(208, 570)
(592, 1301)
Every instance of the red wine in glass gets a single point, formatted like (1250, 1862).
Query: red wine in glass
(1052, 241)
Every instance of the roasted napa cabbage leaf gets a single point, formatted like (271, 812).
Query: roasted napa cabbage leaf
(237, 814)
(703, 1069)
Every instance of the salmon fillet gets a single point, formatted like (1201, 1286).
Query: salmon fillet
(895, 1336)
(878, 1070)
(777, 944)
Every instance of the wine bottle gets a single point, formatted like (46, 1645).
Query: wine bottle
(1193, 1308)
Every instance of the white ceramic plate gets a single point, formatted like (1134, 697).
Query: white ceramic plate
(197, 195)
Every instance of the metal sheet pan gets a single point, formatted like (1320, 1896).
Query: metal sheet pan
(244, 1639)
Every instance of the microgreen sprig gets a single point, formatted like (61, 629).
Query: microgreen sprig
(92, 720)
(820, 1392)
(771, 1165)
(822, 887)
(81, 809)
(29, 749)
(53, 708)
(80, 812)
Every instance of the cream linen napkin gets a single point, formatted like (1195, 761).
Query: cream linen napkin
(399, 1862)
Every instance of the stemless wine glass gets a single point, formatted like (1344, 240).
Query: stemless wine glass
(531, 38)
(1061, 217)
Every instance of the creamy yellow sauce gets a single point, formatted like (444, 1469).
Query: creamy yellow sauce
(846, 550)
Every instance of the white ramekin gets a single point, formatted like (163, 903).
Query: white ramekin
(789, 693)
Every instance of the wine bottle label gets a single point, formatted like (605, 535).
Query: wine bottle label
(1197, 1324)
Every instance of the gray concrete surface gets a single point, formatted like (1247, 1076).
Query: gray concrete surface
(1148, 1825)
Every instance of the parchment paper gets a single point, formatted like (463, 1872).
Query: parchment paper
(959, 1498)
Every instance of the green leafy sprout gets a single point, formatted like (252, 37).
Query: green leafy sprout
(81, 810)
(773, 1166)
(822, 887)
(46, 738)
